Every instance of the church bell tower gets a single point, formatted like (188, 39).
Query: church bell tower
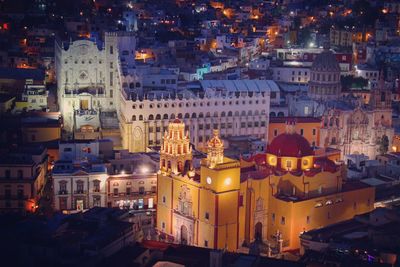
(176, 152)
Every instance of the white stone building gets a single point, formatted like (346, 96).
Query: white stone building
(79, 187)
(89, 77)
(235, 107)
(79, 179)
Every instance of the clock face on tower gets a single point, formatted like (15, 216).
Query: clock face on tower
(209, 180)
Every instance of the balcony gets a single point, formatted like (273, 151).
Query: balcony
(82, 112)
(63, 192)
(89, 90)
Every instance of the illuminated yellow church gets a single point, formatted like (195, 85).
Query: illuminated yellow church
(272, 199)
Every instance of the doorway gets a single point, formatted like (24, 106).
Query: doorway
(184, 235)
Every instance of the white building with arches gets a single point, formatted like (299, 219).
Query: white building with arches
(237, 107)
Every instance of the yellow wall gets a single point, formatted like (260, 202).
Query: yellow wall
(296, 213)
(307, 127)
(164, 188)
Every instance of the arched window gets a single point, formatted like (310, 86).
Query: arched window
(137, 84)
(249, 113)
(158, 117)
(187, 115)
(208, 115)
(165, 116)
(236, 113)
(272, 114)
(179, 115)
(134, 118)
(223, 114)
(281, 114)
(140, 117)
(194, 115)
(201, 115)
(243, 113)
(151, 117)
(337, 122)
(230, 114)
(172, 116)
(215, 114)
(131, 85)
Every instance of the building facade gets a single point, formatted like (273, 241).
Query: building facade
(79, 186)
(23, 175)
(233, 107)
(359, 129)
(197, 208)
(288, 191)
(89, 77)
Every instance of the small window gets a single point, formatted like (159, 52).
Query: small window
(206, 243)
(308, 219)
(283, 220)
(163, 199)
(207, 216)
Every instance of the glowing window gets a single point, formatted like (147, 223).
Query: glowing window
(288, 164)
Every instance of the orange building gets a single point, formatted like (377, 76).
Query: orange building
(308, 127)
(267, 203)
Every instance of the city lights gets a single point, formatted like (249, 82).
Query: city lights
(228, 132)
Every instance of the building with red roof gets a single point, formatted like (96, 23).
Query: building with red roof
(271, 197)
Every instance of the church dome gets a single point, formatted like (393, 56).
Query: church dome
(290, 145)
(325, 61)
(324, 83)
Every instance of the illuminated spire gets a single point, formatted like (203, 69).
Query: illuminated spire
(215, 150)
(176, 152)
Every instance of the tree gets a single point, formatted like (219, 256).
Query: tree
(383, 144)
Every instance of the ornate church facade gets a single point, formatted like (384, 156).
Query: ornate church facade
(263, 204)
(357, 128)
(347, 123)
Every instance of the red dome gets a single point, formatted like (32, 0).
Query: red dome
(290, 145)
(177, 121)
